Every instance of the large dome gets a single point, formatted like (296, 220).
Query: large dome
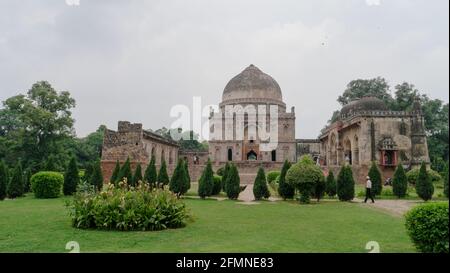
(252, 85)
(364, 104)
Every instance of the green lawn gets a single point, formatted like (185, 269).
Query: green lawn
(32, 225)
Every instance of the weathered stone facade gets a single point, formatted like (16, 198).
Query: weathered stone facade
(130, 140)
(247, 94)
(368, 131)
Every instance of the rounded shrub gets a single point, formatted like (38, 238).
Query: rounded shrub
(47, 184)
(307, 178)
(272, 176)
(427, 226)
(413, 175)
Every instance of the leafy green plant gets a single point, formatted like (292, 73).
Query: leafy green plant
(413, 175)
(47, 184)
(427, 226)
(272, 176)
(260, 189)
(128, 208)
(307, 177)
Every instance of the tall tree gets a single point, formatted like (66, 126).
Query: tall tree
(206, 181)
(163, 177)
(36, 125)
(377, 87)
(3, 180)
(71, 178)
(150, 175)
(424, 186)
(260, 189)
(15, 185)
(285, 190)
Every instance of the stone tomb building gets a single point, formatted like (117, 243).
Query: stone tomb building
(366, 131)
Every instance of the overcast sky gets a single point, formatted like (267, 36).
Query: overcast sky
(133, 60)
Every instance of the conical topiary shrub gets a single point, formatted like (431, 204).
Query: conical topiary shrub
(260, 189)
(424, 187)
(233, 183)
(137, 175)
(96, 178)
(375, 177)
(3, 180)
(330, 187)
(150, 175)
(345, 184)
(400, 182)
(71, 178)
(114, 177)
(206, 181)
(163, 177)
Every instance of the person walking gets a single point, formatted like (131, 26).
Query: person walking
(368, 190)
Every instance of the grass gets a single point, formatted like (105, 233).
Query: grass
(32, 225)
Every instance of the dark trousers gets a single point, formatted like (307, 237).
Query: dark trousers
(368, 195)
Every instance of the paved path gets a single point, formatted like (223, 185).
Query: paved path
(394, 207)
(247, 194)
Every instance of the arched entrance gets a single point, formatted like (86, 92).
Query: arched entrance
(252, 155)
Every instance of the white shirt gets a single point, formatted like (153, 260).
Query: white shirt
(369, 184)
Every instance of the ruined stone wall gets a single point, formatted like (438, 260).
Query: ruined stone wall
(131, 141)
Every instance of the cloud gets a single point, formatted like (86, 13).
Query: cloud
(133, 60)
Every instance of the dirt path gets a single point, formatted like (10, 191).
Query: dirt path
(394, 207)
